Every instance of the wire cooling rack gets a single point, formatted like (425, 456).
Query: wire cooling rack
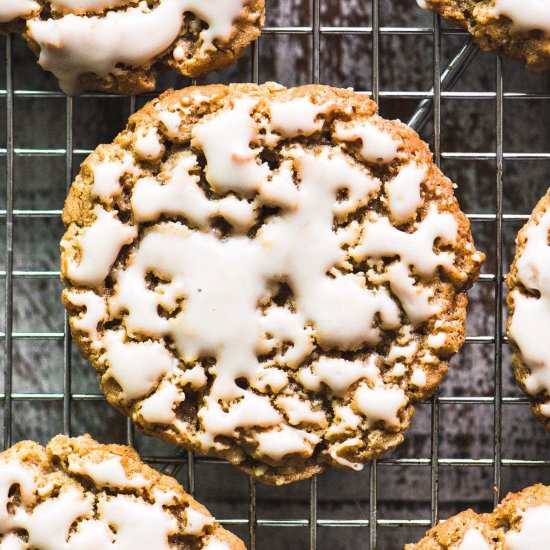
(425, 107)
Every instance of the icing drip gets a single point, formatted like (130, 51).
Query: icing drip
(74, 45)
(13, 9)
(532, 314)
(534, 531)
(473, 540)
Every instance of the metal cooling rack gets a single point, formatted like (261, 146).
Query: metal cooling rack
(429, 108)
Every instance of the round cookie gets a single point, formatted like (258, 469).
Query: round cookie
(270, 276)
(77, 494)
(529, 309)
(516, 28)
(520, 522)
(120, 45)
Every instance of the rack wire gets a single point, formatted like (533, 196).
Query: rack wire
(429, 108)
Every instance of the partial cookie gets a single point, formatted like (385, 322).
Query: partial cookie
(270, 276)
(517, 28)
(520, 522)
(78, 494)
(529, 309)
(120, 45)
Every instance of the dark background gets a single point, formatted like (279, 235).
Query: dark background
(42, 122)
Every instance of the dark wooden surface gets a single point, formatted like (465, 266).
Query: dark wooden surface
(466, 431)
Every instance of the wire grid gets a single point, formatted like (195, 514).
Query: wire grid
(430, 107)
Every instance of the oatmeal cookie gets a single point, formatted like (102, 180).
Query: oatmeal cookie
(78, 494)
(517, 28)
(529, 309)
(270, 276)
(520, 522)
(120, 45)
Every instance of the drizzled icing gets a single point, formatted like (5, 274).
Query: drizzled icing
(473, 540)
(13, 9)
(254, 307)
(532, 313)
(534, 531)
(73, 518)
(526, 15)
(73, 45)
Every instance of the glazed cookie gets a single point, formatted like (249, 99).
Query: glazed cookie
(270, 276)
(529, 309)
(120, 45)
(520, 522)
(517, 28)
(78, 494)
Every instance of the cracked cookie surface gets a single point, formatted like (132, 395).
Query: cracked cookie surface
(78, 494)
(516, 28)
(120, 46)
(529, 309)
(270, 276)
(520, 522)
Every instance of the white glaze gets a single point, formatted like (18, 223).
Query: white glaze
(108, 473)
(381, 403)
(107, 176)
(278, 443)
(74, 45)
(94, 312)
(159, 407)
(418, 378)
(225, 138)
(148, 145)
(403, 192)
(136, 366)
(338, 374)
(526, 15)
(377, 145)
(13, 9)
(196, 522)
(214, 543)
(99, 245)
(296, 117)
(473, 540)
(534, 532)
(181, 195)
